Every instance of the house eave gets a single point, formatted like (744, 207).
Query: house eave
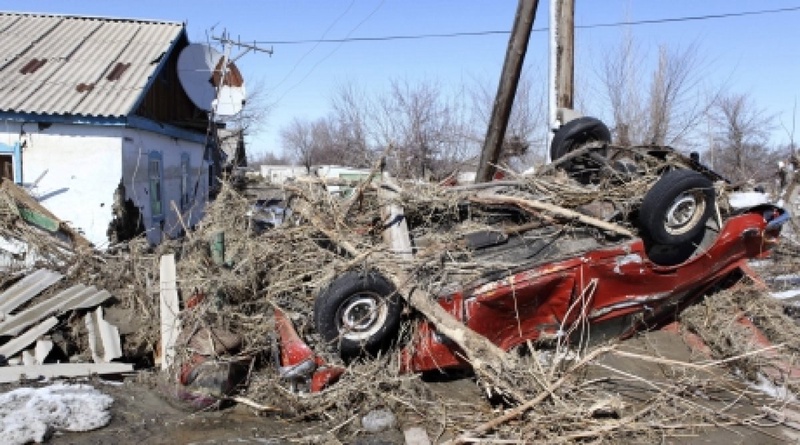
(134, 122)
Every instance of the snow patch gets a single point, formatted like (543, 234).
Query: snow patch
(786, 294)
(746, 200)
(32, 414)
(766, 386)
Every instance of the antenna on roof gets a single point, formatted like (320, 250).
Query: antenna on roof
(212, 82)
(227, 43)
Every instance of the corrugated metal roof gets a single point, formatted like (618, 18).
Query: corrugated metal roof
(81, 66)
(26, 288)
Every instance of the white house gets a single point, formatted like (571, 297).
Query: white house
(278, 174)
(94, 122)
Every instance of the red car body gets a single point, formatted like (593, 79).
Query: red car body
(617, 290)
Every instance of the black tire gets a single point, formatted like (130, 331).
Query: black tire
(575, 133)
(360, 312)
(675, 210)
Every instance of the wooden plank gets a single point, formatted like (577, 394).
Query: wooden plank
(42, 350)
(395, 233)
(9, 374)
(109, 346)
(533, 206)
(92, 336)
(27, 288)
(17, 344)
(398, 239)
(12, 325)
(27, 358)
(92, 300)
(170, 308)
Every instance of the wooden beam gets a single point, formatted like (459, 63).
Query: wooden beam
(395, 232)
(9, 374)
(170, 308)
(27, 288)
(565, 53)
(104, 341)
(507, 89)
(532, 206)
(19, 343)
(13, 324)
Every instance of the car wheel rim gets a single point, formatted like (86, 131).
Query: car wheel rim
(685, 212)
(361, 316)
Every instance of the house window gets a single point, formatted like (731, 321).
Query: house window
(185, 195)
(7, 167)
(10, 162)
(154, 172)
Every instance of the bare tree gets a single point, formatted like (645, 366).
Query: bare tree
(527, 125)
(419, 122)
(433, 131)
(298, 140)
(269, 158)
(668, 108)
(620, 77)
(253, 116)
(349, 125)
(740, 149)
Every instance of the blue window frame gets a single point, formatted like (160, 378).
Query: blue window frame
(155, 174)
(11, 162)
(185, 187)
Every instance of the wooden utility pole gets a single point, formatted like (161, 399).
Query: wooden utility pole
(565, 53)
(562, 61)
(507, 89)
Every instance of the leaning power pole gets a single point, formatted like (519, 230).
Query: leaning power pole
(507, 89)
(563, 55)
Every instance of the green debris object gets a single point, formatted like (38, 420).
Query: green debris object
(39, 220)
(218, 249)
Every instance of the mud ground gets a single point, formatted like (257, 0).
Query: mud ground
(142, 415)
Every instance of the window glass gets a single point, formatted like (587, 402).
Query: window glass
(185, 194)
(154, 172)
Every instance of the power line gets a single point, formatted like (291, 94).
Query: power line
(334, 23)
(487, 33)
(319, 62)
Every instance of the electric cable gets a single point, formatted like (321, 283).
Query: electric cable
(348, 39)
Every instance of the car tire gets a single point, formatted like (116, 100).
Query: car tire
(675, 210)
(575, 133)
(359, 312)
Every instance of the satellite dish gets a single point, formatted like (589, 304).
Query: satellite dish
(200, 72)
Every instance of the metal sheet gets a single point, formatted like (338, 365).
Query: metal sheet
(27, 288)
(75, 51)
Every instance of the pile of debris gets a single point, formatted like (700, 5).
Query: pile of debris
(212, 309)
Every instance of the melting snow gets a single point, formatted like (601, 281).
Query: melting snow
(31, 414)
(783, 295)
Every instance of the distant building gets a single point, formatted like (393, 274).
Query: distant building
(95, 123)
(231, 144)
(278, 174)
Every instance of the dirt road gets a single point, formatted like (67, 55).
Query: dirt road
(142, 415)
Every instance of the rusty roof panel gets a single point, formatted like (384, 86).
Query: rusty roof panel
(61, 64)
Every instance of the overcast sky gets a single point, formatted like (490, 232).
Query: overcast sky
(754, 54)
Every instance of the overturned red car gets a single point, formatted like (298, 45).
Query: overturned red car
(558, 289)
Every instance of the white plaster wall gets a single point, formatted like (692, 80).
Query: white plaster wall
(137, 146)
(79, 168)
(82, 165)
